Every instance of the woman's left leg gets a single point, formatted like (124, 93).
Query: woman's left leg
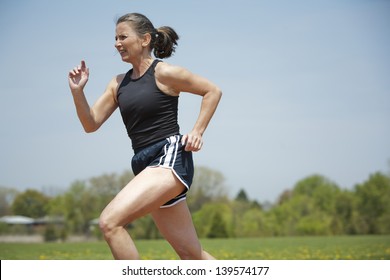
(175, 224)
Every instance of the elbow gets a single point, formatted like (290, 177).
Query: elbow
(214, 95)
(218, 93)
(89, 129)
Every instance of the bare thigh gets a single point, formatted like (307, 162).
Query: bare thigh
(145, 193)
(175, 224)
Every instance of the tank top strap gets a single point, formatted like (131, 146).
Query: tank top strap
(153, 66)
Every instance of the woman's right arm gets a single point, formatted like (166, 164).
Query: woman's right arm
(91, 118)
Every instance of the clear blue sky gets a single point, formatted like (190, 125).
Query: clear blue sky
(306, 89)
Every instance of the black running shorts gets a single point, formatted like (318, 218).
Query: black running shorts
(168, 153)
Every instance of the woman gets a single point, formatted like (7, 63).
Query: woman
(147, 97)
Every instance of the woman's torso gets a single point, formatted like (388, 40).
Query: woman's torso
(148, 113)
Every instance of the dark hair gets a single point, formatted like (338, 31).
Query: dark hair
(164, 39)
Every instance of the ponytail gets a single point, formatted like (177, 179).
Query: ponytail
(165, 42)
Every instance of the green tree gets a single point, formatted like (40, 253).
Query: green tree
(218, 227)
(30, 203)
(242, 196)
(346, 218)
(78, 206)
(309, 209)
(320, 189)
(205, 218)
(373, 200)
(253, 223)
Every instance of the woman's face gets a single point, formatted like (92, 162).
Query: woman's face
(127, 42)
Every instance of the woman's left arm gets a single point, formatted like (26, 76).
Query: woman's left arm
(178, 79)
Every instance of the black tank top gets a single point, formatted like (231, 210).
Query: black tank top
(149, 114)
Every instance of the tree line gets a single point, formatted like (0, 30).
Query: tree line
(313, 206)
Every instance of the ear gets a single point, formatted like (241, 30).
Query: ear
(147, 38)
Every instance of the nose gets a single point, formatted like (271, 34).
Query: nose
(117, 43)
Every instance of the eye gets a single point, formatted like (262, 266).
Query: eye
(120, 37)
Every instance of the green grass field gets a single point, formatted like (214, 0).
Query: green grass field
(277, 248)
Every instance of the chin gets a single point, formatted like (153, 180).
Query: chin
(126, 58)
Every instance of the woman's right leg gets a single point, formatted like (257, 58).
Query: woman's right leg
(145, 193)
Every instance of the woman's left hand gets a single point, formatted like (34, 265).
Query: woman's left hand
(193, 142)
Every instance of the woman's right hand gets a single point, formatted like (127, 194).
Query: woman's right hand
(78, 77)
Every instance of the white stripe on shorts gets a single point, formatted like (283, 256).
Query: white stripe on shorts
(169, 158)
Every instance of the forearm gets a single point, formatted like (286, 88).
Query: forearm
(209, 105)
(84, 111)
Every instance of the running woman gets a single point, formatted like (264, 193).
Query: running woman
(147, 97)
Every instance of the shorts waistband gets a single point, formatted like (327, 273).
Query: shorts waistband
(157, 143)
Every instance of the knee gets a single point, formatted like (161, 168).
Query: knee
(107, 226)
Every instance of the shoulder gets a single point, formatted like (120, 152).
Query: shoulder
(117, 80)
(165, 71)
(179, 79)
(113, 85)
(172, 76)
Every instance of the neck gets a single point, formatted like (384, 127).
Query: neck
(141, 66)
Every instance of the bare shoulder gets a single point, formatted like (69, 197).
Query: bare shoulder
(114, 84)
(117, 80)
(172, 77)
(166, 71)
(166, 78)
(179, 79)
